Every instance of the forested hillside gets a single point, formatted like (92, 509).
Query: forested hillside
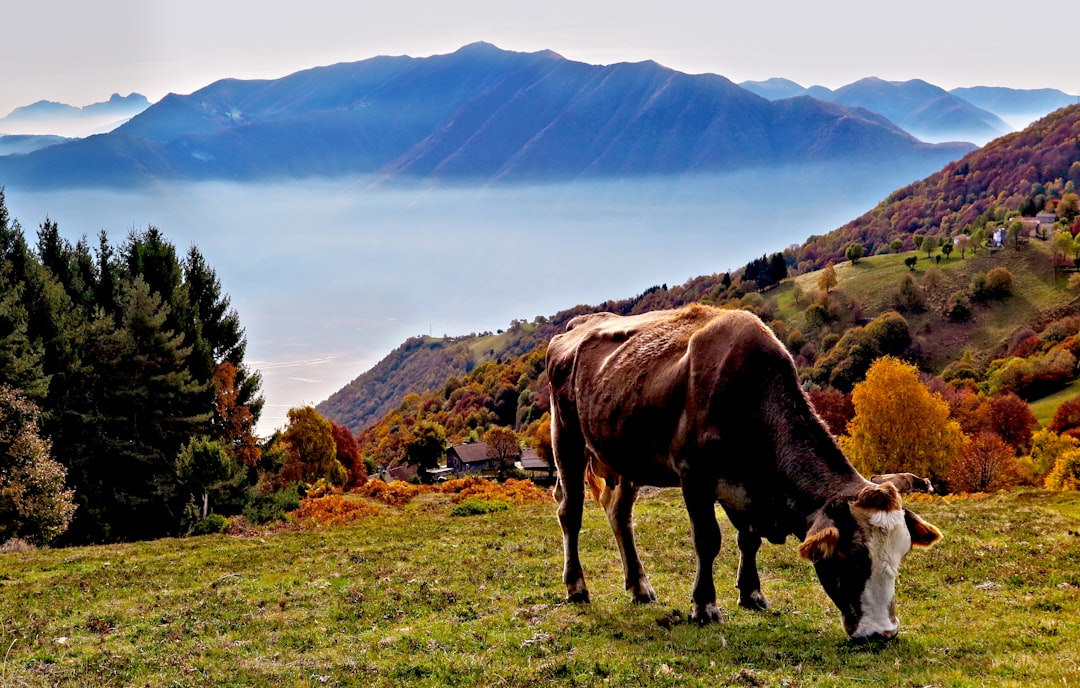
(1020, 172)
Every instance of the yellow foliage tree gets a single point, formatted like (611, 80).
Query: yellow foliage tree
(827, 279)
(900, 425)
(1066, 472)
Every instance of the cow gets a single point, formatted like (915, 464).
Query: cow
(709, 400)
(904, 482)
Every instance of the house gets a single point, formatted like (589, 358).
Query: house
(473, 457)
(998, 237)
(1046, 220)
(534, 465)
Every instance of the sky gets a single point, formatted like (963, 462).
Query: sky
(81, 52)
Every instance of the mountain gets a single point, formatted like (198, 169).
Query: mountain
(1017, 171)
(1016, 105)
(480, 114)
(49, 117)
(18, 144)
(927, 111)
(775, 88)
(924, 110)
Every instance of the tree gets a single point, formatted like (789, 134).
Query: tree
(202, 466)
(425, 444)
(1013, 232)
(1011, 419)
(348, 454)
(834, 407)
(910, 262)
(309, 442)
(985, 464)
(1066, 420)
(962, 242)
(34, 502)
(1068, 208)
(929, 244)
(947, 247)
(854, 252)
(900, 425)
(1065, 474)
(503, 446)
(1062, 243)
(827, 279)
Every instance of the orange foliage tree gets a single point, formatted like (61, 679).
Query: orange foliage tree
(348, 454)
(985, 464)
(234, 422)
(309, 445)
(900, 425)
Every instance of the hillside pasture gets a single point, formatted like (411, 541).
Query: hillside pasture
(415, 597)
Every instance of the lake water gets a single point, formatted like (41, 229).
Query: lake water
(329, 276)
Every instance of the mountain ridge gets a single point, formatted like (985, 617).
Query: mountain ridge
(480, 114)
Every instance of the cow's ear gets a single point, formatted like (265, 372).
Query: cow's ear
(922, 533)
(822, 540)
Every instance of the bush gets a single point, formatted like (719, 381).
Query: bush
(994, 285)
(959, 309)
(274, 506)
(1066, 472)
(213, 523)
(332, 509)
(475, 506)
(985, 464)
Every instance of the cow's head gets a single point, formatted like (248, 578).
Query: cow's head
(856, 547)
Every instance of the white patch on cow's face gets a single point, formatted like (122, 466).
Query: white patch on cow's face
(887, 542)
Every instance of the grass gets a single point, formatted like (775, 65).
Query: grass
(1045, 408)
(415, 598)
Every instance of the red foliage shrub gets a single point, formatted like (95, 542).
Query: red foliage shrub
(1012, 420)
(985, 464)
(834, 407)
(1067, 418)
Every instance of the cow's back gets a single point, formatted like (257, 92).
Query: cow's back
(646, 389)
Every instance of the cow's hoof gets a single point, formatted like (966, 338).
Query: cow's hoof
(706, 614)
(645, 596)
(577, 593)
(643, 592)
(755, 601)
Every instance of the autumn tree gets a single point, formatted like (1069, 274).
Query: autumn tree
(899, 425)
(1066, 420)
(929, 244)
(425, 444)
(35, 504)
(503, 446)
(348, 454)
(985, 464)
(1011, 419)
(962, 243)
(834, 407)
(309, 442)
(827, 279)
(1046, 448)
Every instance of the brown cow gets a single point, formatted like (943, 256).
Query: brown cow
(904, 482)
(710, 400)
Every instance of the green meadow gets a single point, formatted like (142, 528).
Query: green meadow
(416, 597)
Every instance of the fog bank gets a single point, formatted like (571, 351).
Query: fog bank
(329, 276)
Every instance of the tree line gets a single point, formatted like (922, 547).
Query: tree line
(128, 362)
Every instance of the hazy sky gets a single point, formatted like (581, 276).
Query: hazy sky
(81, 52)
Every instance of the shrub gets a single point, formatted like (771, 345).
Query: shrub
(396, 493)
(274, 506)
(213, 523)
(959, 309)
(1046, 448)
(985, 464)
(475, 506)
(332, 509)
(997, 284)
(1066, 419)
(1066, 472)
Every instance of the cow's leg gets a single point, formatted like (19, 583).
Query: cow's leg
(569, 449)
(700, 497)
(748, 582)
(620, 512)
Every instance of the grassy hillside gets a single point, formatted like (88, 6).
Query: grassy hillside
(418, 598)
(1040, 295)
